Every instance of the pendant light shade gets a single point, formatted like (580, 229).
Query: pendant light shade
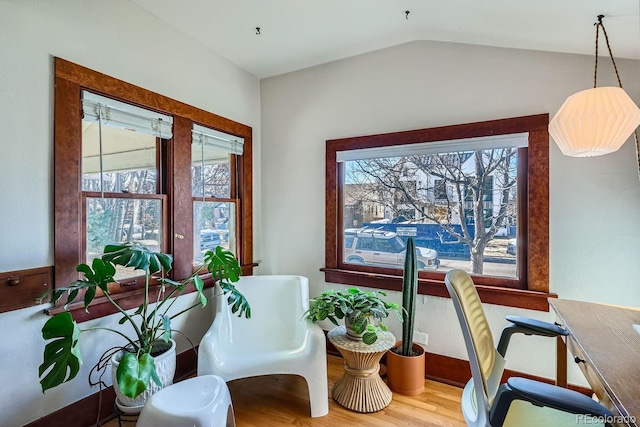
(594, 122)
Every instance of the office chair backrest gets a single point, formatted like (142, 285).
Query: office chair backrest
(474, 319)
(486, 364)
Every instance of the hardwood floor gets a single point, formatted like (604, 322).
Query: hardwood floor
(283, 400)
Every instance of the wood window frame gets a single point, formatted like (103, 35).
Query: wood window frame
(531, 289)
(70, 80)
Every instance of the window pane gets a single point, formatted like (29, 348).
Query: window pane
(210, 171)
(437, 199)
(128, 160)
(214, 224)
(114, 220)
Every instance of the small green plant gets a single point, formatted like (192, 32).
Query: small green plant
(151, 323)
(361, 308)
(409, 295)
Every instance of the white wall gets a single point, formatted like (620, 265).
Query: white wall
(121, 40)
(595, 203)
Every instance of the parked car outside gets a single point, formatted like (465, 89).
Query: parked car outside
(384, 249)
(209, 239)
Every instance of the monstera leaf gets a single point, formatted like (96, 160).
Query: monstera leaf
(138, 256)
(236, 300)
(151, 324)
(225, 267)
(166, 328)
(98, 275)
(199, 285)
(133, 374)
(62, 358)
(223, 264)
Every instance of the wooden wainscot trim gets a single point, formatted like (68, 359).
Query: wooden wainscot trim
(456, 372)
(23, 288)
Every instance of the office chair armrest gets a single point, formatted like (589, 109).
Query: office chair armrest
(527, 326)
(538, 327)
(542, 394)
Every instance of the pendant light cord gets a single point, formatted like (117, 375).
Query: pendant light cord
(599, 25)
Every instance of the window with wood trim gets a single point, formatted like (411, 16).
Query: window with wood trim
(473, 196)
(124, 195)
(126, 168)
(214, 158)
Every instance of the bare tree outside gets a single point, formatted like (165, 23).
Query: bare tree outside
(211, 179)
(112, 219)
(468, 194)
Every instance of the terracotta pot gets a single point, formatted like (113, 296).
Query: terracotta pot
(405, 375)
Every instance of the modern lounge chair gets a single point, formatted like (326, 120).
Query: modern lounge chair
(518, 402)
(275, 340)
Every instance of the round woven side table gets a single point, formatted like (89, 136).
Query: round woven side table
(360, 388)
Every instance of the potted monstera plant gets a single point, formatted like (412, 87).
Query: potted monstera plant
(363, 311)
(136, 371)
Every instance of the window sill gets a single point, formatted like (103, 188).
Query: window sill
(101, 307)
(519, 298)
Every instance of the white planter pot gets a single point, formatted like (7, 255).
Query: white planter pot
(350, 332)
(165, 368)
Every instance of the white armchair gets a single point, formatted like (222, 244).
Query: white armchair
(275, 340)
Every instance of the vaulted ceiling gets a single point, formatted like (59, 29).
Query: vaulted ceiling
(296, 34)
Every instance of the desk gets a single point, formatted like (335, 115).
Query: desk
(360, 388)
(607, 349)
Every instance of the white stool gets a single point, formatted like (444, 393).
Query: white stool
(202, 401)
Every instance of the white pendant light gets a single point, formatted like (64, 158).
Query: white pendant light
(595, 121)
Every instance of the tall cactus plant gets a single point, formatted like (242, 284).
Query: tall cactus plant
(409, 295)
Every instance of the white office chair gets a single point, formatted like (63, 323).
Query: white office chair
(519, 402)
(275, 340)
